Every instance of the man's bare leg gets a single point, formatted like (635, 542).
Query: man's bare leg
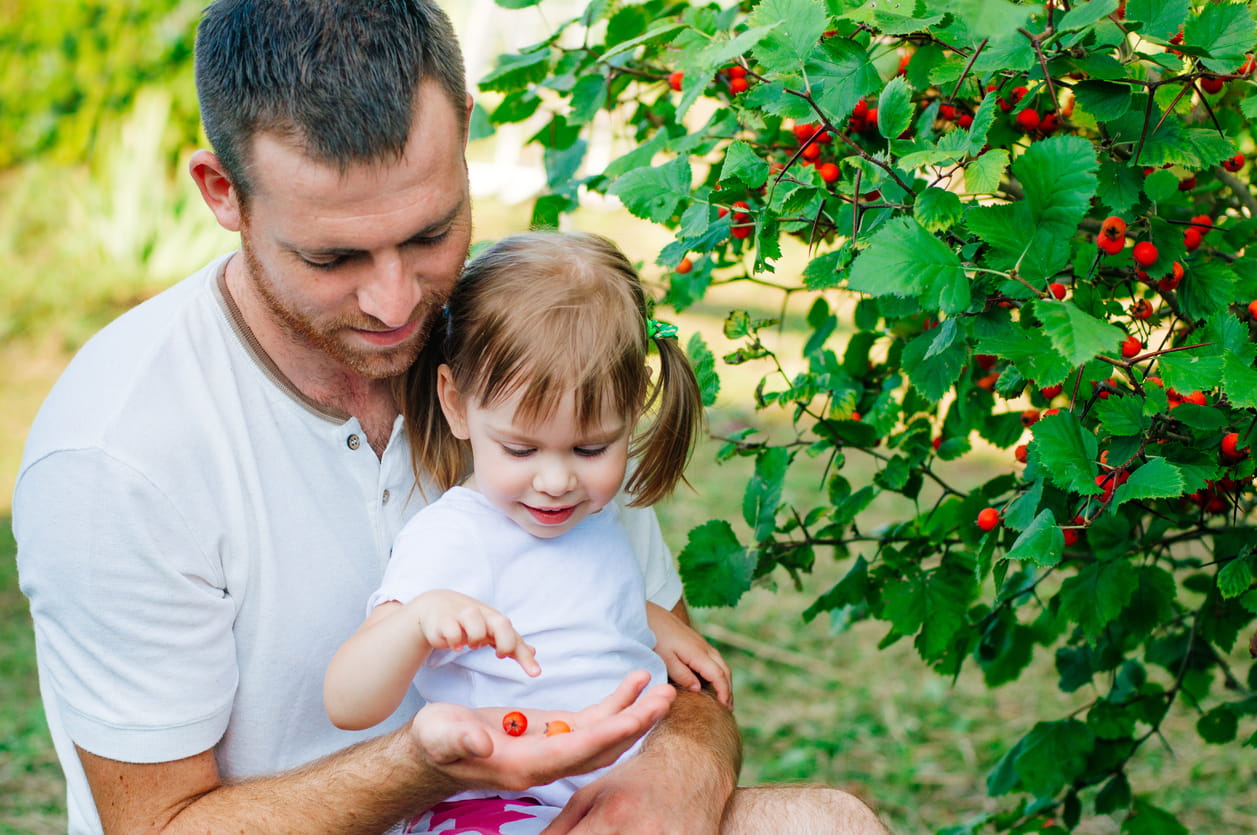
(798, 810)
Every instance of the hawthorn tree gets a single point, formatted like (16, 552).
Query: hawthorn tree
(1043, 213)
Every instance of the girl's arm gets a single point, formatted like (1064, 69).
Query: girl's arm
(368, 677)
(687, 655)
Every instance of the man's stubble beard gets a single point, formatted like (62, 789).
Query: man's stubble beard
(330, 337)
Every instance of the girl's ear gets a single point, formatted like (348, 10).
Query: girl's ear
(453, 404)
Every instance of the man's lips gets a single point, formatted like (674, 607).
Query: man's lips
(388, 338)
(551, 515)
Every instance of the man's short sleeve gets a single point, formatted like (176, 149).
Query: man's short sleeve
(133, 626)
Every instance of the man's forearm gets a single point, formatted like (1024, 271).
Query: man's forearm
(365, 788)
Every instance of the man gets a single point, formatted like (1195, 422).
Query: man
(209, 494)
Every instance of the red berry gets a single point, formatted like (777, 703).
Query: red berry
(1212, 85)
(824, 137)
(1111, 245)
(735, 71)
(742, 231)
(1197, 397)
(986, 361)
(1019, 93)
(1050, 412)
(828, 171)
(1252, 308)
(811, 152)
(989, 519)
(684, 266)
(1145, 253)
(1192, 238)
(805, 131)
(1021, 452)
(1187, 183)
(937, 442)
(1027, 119)
(1057, 289)
(1113, 227)
(1049, 123)
(861, 109)
(1029, 417)
(1231, 453)
(1071, 536)
(515, 723)
(1131, 347)
(964, 120)
(1234, 163)
(1141, 309)
(947, 112)
(739, 85)
(1050, 391)
(675, 79)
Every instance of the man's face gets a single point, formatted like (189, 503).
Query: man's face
(353, 265)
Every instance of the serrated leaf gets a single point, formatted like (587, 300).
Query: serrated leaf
(763, 491)
(1114, 796)
(989, 19)
(903, 259)
(654, 193)
(1236, 577)
(849, 591)
(1147, 819)
(1225, 31)
(704, 363)
(937, 209)
(840, 74)
(516, 70)
(1066, 452)
(715, 568)
(1052, 755)
(1042, 543)
(1030, 351)
(1157, 479)
(933, 602)
(665, 30)
(784, 48)
(1190, 371)
(743, 163)
(1158, 19)
(1058, 175)
(1110, 721)
(1085, 14)
(1239, 381)
(1103, 100)
(983, 118)
(1121, 415)
(1096, 595)
(933, 361)
(984, 173)
(1076, 335)
(894, 108)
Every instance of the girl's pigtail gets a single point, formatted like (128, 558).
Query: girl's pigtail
(664, 448)
(433, 448)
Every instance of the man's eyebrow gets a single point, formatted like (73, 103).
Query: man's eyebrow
(433, 228)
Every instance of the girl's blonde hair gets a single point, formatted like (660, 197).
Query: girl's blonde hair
(555, 313)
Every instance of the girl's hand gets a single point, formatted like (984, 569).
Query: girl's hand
(449, 620)
(688, 656)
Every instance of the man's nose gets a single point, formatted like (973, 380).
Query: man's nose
(391, 292)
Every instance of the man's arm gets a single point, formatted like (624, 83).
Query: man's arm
(369, 786)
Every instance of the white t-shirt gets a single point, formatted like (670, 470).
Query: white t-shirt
(197, 538)
(578, 599)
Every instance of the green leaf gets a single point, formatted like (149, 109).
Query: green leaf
(934, 359)
(1030, 351)
(763, 491)
(1236, 577)
(894, 108)
(840, 74)
(1076, 335)
(1146, 819)
(1108, 720)
(1225, 31)
(1239, 381)
(515, 70)
(1115, 795)
(715, 568)
(1041, 544)
(933, 602)
(704, 363)
(851, 590)
(1219, 726)
(663, 31)
(1095, 596)
(1121, 415)
(784, 48)
(1157, 479)
(984, 173)
(1103, 100)
(989, 19)
(938, 209)
(1066, 452)
(1059, 178)
(1085, 14)
(655, 193)
(1158, 19)
(903, 259)
(742, 162)
(1190, 371)
(1052, 755)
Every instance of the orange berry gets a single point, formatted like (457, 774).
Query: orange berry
(1141, 309)
(685, 265)
(556, 727)
(1021, 453)
(1029, 417)
(1057, 289)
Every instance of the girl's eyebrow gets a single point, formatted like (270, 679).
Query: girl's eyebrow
(518, 435)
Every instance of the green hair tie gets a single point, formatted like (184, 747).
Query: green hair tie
(660, 330)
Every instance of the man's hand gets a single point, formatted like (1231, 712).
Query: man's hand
(470, 746)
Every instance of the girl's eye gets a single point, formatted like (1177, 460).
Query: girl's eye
(517, 452)
(589, 451)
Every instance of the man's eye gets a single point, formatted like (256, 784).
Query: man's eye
(323, 265)
(430, 240)
(590, 451)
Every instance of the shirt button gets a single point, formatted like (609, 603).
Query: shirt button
(353, 442)
(385, 497)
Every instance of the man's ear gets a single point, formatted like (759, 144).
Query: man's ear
(216, 189)
(471, 105)
(453, 403)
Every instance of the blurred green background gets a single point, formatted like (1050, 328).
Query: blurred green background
(97, 118)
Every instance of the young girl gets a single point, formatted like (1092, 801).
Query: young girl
(536, 386)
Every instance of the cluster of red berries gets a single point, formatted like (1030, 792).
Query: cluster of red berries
(813, 140)
(734, 75)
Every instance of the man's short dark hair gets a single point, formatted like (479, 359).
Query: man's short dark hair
(337, 76)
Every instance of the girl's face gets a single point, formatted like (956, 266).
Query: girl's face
(545, 477)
